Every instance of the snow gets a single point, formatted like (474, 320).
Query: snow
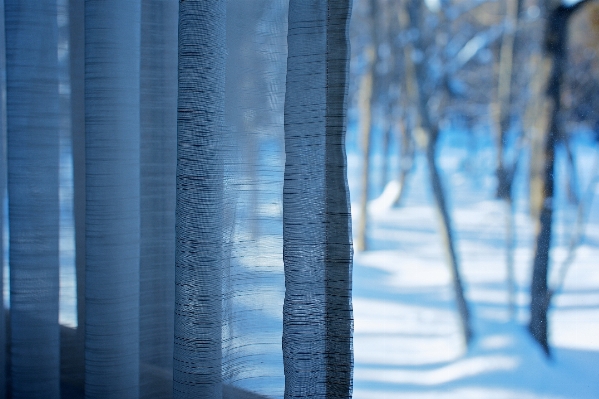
(407, 339)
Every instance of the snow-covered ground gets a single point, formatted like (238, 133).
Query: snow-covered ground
(407, 341)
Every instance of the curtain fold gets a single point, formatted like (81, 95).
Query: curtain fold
(199, 208)
(317, 323)
(32, 155)
(112, 144)
(158, 107)
(73, 342)
(76, 20)
(339, 251)
(2, 194)
(253, 277)
(304, 204)
(210, 205)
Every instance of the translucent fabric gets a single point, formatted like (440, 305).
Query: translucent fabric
(32, 123)
(210, 206)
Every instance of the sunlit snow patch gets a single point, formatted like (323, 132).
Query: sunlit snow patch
(386, 200)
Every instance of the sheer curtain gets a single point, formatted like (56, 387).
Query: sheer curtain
(209, 199)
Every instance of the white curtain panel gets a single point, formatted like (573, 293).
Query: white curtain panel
(207, 208)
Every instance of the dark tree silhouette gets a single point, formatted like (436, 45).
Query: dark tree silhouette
(503, 115)
(368, 91)
(432, 135)
(555, 53)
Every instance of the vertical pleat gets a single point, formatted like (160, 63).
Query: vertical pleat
(32, 151)
(254, 163)
(2, 194)
(112, 137)
(304, 205)
(317, 252)
(158, 106)
(72, 359)
(339, 252)
(77, 82)
(199, 215)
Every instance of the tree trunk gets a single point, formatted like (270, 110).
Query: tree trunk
(370, 88)
(365, 124)
(410, 114)
(503, 101)
(446, 231)
(432, 135)
(385, 150)
(509, 256)
(407, 158)
(33, 165)
(503, 115)
(197, 361)
(572, 183)
(555, 48)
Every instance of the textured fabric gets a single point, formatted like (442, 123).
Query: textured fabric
(317, 241)
(32, 150)
(2, 190)
(77, 106)
(112, 114)
(253, 277)
(158, 106)
(199, 230)
(304, 205)
(339, 252)
(210, 204)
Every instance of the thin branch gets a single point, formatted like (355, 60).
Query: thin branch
(575, 240)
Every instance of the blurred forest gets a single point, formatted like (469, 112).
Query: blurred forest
(524, 73)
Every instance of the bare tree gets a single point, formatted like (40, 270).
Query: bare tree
(555, 58)
(424, 95)
(370, 82)
(503, 113)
